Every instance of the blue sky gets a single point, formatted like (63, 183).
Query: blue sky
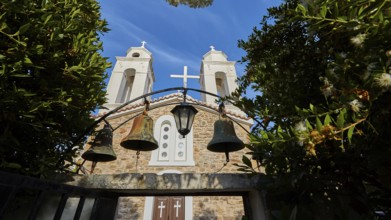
(179, 36)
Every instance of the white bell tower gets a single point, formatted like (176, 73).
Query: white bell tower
(132, 76)
(218, 75)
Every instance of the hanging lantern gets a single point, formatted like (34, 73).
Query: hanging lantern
(140, 137)
(224, 138)
(101, 149)
(184, 116)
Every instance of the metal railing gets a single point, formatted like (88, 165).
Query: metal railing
(23, 197)
(96, 197)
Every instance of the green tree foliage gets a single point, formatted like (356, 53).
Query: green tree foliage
(323, 73)
(51, 78)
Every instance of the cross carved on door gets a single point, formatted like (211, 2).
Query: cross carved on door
(169, 208)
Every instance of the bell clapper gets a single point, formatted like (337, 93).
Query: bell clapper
(93, 165)
(225, 163)
(227, 157)
(138, 154)
(137, 157)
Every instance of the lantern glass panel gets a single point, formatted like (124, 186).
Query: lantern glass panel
(184, 116)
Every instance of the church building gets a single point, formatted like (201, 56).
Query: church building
(133, 76)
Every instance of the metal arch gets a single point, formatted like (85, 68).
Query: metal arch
(177, 103)
(184, 92)
(183, 89)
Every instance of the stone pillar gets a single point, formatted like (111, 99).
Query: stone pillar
(254, 205)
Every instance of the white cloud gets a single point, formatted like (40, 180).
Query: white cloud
(128, 30)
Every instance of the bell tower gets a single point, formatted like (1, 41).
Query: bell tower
(132, 76)
(218, 75)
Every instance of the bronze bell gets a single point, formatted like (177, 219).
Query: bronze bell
(140, 137)
(224, 138)
(101, 149)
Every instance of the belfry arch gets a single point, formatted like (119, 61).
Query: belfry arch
(218, 75)
(221, 84)
(125, 89)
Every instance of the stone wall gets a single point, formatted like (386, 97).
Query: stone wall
(205, 162)
(218, 208)
(204, 208)
(130, 208)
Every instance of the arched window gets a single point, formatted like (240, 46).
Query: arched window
(135, 55)
(221, 84)
(174, 150)
(126, 86)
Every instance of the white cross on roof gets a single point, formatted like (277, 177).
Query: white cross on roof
(143, 43)
(185, 76)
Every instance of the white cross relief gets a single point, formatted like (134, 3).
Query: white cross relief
(143, 43)
(177, 206)
(185, 76)
(161, 207)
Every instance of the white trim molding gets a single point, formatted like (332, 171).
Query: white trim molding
(174, 150)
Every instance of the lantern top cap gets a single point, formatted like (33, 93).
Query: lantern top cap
(184, 104)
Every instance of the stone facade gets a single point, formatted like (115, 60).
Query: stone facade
(130, 208)
(211, 207)
(204, 208)
(206, 161)
(218, 208)
(133, 76)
